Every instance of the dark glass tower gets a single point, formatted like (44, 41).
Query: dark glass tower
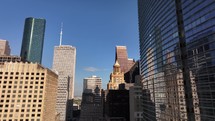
(33, 38)
(177, 59)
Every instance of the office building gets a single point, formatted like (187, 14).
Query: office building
(4, 47)
(135, 103)
(9, 59)
(177, 41)
(91, 106)
(132, 72)
(116, 77)
(28, 92)
(117, 106)
(91, 83)
(122, 57)
(33, 39)
(64, 64)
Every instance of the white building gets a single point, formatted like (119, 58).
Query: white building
(90, 84)
(64, 64)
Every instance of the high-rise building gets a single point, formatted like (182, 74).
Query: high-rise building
(122, 57)
(4, 47)
(33, 38)
(133, 71)
(28, 92)
(91, 83)
(91, 106)
(136, 100)
(64, 64)
(177, 41)
(117, 106)
(116, 77)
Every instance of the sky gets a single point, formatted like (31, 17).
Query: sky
(94, 27)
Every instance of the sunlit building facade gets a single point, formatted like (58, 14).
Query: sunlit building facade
(116, 77)
(64, 65)
(177, 60)
(28, 92)
(122, 57)
(4, 47)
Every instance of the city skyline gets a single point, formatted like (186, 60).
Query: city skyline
(88, 25)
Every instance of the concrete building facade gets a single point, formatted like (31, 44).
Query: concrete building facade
(28, 92)
(4, 47)
(64, 64)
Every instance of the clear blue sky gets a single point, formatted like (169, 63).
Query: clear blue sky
(94, 27)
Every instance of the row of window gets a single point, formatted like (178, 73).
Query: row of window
(22, 73)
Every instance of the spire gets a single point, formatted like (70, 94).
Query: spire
(116, 64)
(61, 33)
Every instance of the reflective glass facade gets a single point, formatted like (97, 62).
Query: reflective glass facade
(33, 38)
(177, 59)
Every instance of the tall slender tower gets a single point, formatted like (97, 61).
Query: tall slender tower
(64, 64)
(33, 38)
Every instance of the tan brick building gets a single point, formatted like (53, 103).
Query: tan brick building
(28, 92)
(4, 47)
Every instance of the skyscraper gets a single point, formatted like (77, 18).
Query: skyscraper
(64, 64)
(91, 83)
(33, 38)
(122, 57)
(177, 64)
(28, 92)
(4, 47)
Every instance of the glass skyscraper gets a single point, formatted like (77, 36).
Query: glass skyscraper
(177, 59)
(33, 38)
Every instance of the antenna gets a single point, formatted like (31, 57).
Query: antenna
(61, 33)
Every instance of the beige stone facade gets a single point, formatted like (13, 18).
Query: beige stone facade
(64, 64)
(28, 92)
(116, 78)
(4, 47)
